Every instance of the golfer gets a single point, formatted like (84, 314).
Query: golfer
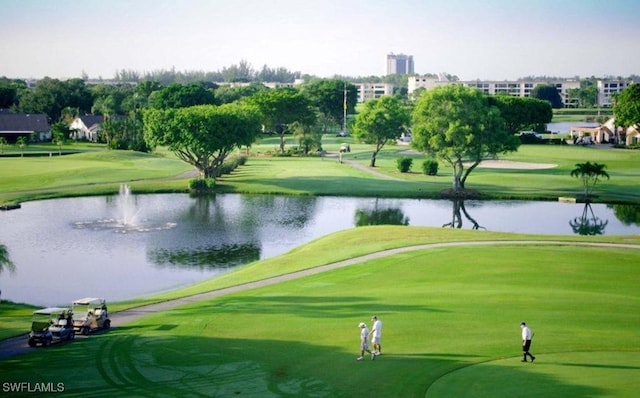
(526, 342)
(364, 341)
(376, 333)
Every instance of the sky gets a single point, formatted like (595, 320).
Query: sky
(472, 39)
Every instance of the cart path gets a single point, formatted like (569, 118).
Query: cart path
(18, 345)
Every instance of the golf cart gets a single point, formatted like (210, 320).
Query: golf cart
(92, 315)
(51, 325)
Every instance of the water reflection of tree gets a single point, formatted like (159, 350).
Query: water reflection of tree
(206, 258)
(456, 217)
(290, 212)
(627, 214)
(5, 262)
(384, 216)
(588, 223)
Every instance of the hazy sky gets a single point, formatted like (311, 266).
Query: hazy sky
(473, 39)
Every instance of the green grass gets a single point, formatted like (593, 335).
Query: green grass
(450, 316)
(101, 172)
(94, 172)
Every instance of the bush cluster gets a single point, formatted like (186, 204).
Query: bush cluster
(202, 185)
(231, 164)
(430, 167)
(404, 164)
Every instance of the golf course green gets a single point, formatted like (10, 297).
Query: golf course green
(451, 313)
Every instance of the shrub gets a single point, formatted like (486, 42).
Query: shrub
(202, 185)
(430, 167)
(231, 164)
(404, 164)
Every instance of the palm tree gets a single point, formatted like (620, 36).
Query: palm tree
(5, 262)
(590, 174)
(21, 142)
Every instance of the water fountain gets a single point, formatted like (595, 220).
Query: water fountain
(127, 218)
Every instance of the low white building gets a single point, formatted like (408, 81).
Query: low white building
(607, 133)
(520, 88)
(34, 126)
(369, 91)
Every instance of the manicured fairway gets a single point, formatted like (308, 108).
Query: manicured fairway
(450, 316)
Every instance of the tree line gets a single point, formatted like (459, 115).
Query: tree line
(203, 122)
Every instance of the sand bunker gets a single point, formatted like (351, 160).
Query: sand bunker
(508, 164)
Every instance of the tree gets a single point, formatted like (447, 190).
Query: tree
(3, 142)
(589, 173)
(328, 95)
(177, 95)
(548, 92)
(458, 125)
(587, 94)
(110, 100)
(626, 107)
(227, 94)
(5, 261)
(307, 136)
(381, 120)
(281, 107)
(202, 135)
(522, 113)
(22, 142)
(9, 89)
(124, 133)
(51, 96)
(60, 132)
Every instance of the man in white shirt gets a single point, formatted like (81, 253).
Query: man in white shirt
(376, 332)
(526, 342)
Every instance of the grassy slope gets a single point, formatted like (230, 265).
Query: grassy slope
(444, 310)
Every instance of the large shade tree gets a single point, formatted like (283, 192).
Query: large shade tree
(460, 126)
(626, 107)
(548, 92)
(522, 113)
(381, 120)
(203, 135)
(281, 107)
(328, 95)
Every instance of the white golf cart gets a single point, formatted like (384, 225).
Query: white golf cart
(91, 315)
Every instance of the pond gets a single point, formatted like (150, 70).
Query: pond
(565, 127)
(126, 246)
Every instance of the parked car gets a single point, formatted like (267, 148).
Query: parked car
(91, 314)
(51, 325)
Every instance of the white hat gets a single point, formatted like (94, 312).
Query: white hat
(362, 325)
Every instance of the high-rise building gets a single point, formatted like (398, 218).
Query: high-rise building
(399, 64)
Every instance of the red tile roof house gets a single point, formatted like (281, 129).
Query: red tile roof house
(35, 126)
